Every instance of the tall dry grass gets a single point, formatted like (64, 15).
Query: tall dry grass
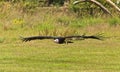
(53, 21)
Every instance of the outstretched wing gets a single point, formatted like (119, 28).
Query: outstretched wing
(92, 37)
(25, 39)
(86, 37)
(70, 37)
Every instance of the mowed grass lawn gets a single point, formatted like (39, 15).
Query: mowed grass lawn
(47, 56)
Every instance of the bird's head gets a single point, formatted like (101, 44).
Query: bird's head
(56, 40)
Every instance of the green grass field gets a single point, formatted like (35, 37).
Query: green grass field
(47, 56)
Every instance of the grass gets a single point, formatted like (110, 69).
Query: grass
(47, 56)
(80, 56)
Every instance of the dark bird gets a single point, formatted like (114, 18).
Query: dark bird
(60, 40)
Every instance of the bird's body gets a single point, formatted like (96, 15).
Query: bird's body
(59, 40)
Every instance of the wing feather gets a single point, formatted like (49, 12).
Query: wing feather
(92, 37)
(25, 39)
(73, 36)
(86, 37)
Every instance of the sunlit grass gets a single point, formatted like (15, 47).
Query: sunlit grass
(47, 56)
(86, 55)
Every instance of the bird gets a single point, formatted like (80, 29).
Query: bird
(61, 39)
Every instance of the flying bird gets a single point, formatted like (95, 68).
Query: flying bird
(60, 39)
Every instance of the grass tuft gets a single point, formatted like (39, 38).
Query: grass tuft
(2, 40)
(114, 21)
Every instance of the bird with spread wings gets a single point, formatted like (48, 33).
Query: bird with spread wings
(60, 39)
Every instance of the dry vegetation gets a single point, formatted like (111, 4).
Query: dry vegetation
(46, 56)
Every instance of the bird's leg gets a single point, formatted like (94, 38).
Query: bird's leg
(66, 41)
